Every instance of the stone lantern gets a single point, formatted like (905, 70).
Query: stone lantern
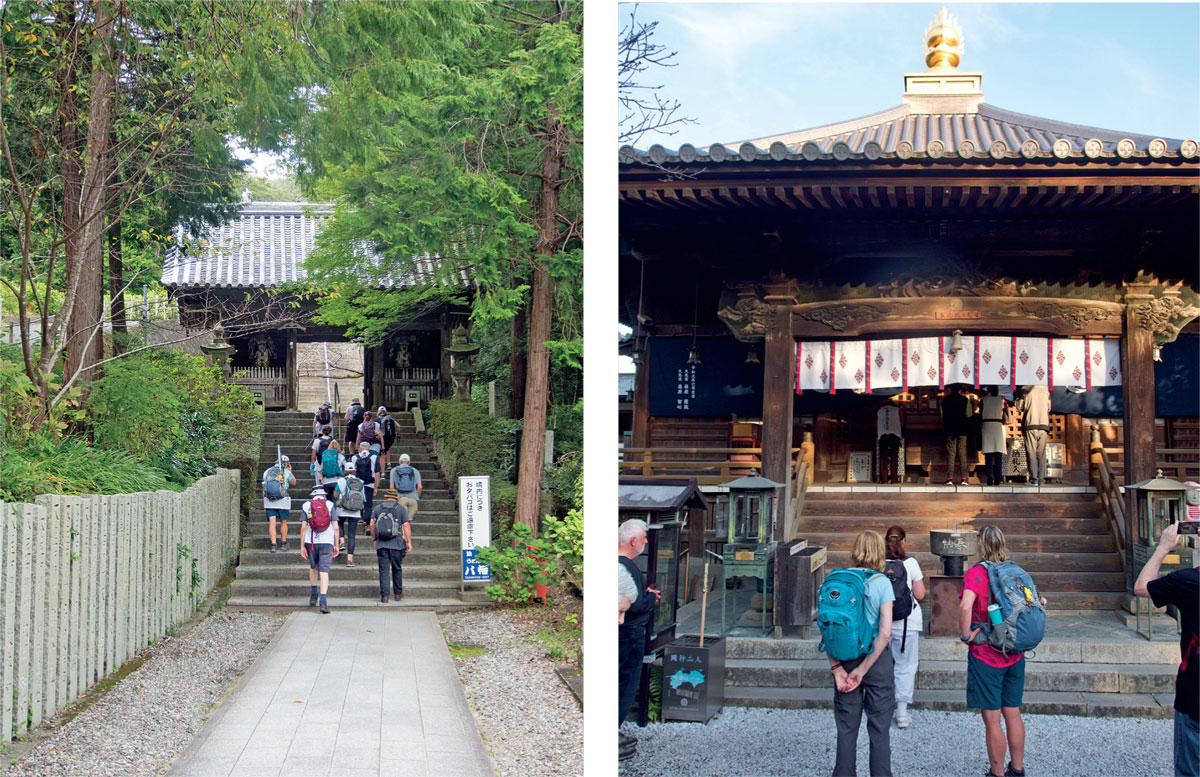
(219, 351)
(462, 362)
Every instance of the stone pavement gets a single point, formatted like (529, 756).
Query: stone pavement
(365, 693)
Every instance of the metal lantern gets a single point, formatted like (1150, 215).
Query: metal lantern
(1157, 503)
(749, 550)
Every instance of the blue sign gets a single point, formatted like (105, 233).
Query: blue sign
(473, 571)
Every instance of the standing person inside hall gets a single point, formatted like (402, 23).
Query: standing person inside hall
(1034, 405)
(889, 430)
(956, 425)
(995, 413)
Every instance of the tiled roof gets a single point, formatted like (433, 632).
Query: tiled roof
(266, 245)
(906, 132)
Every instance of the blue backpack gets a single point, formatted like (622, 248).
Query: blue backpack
(329, 464)
(1024, 623)
(846, 632)
(405, 479)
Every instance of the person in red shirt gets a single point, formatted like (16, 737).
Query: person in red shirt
(995, 681)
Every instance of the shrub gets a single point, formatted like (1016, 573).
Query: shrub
(71, 466)
(517, 563)
(564, 539)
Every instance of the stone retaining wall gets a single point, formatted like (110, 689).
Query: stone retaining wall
(88, 581)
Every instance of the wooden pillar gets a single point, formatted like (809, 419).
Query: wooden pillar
(378, 365)
(290, 378)
(779, 372)
(1137, 371)
(696, 551)
(445, 382)
(641, 401)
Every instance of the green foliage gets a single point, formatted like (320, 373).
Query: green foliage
(564, 539)
(71, 466)
(517, 562)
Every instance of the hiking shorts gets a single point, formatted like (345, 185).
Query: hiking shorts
(277, 512)
(320, 556)
(387, 442)
(990, 687)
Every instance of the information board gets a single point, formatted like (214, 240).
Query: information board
(475, 518)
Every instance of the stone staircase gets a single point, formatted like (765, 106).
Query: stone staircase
(431, 572)
(1057, 533)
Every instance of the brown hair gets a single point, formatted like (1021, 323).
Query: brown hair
(868, 551)
(895, 542)
(991, 544)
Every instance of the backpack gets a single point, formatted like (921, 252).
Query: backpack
(324, 416)
(1024, 623)
(846, 632)
(329, 464)
(389, 427)
(273, 485)
(318, 519)
(367, 430)
(356, 414)
(322, 445)
(362, 468)
(404, 479)
(903, 606)
(387, 524)
(354, 499)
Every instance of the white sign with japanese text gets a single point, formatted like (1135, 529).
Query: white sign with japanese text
(475, 513)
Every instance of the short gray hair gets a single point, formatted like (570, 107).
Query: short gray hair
(626, 588)
(630, 529)
(404, 458)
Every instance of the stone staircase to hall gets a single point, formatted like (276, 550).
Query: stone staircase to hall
(1091, 664)
(431, 572)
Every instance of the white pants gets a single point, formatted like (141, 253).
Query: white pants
(906, 664)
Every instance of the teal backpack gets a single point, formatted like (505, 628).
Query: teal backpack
(330, 468)
(846, 632)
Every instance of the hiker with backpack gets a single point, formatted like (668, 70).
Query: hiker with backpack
(370, 433)
(908, 585)
(354, 417)
(366, 468)
(406, 479)
(276, 481)
(350, 500)
(391, 528)
(1182, 589)
(854, 614)
(316, 448)
(318, 545)
(1000, 617)
(330, 463)
(322, 418)
(387, 426)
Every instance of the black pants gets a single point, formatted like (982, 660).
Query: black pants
(992, 461)
(368, 501)
(889, 448)
(631, 647)
(389, 560)
(348, 536)
(877, 695)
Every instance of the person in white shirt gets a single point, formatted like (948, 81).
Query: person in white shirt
(278, 509)
(318, 548)
(347, 516)
(1034, 406)
(906, 632)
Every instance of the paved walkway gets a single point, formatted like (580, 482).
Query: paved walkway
(354, 693)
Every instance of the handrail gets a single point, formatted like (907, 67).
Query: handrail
(1113, 500)
(337, 400)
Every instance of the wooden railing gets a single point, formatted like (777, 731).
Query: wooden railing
(709, 466)
(1176, 463)
(802, 476)
(270, 383)
(1109, 489)
(396, 380)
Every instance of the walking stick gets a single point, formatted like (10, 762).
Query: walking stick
(704, 603)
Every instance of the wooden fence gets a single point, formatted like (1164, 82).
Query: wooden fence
(268, 383)
(88, 581)
(397, 379)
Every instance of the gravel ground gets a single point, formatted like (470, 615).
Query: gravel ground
(149, 717)
(529, 720)
(762, 743)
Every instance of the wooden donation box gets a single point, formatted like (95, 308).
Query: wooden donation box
(799, 573)
(693, 679)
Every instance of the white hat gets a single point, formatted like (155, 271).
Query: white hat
(284, 458)
(382, 409)
(317, 490)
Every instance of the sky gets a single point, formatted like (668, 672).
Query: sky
(749, 70)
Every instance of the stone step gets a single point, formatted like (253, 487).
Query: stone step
(1111, 705)
(1135, 651)
(1017, 543)
(427, 524)
(415, 603)
(433, 539)
(1031, 562)
(365, 569)
(1048, 582)
(338, 588)
(427, 553)
(952, 675)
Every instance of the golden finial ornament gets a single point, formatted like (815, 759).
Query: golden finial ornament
(943, 42)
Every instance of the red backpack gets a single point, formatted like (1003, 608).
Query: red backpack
(318, 520)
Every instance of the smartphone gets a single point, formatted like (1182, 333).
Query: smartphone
(1189, 527)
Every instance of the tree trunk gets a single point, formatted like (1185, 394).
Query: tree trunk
(537, 382)
(116, 282)
(85, 340)
(516, 360)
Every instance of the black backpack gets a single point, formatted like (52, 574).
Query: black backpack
(387, 522)
(362, 468)
(356, 414)
(389, 427)
(324, 415)
(322, 444)
(904, 601)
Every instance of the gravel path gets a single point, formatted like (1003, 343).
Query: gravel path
(529, 720)
(149, 717)
(763, 743)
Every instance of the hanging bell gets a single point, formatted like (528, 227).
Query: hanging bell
(752, 356)
(956, 343)
(694, 355)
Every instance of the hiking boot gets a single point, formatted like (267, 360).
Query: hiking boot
(949, 481)
(283, 546)
(324, 608)
(903, 721)
(312, 600)
(963, 482)
(1011, 772)
(273, 548)
(383, 600)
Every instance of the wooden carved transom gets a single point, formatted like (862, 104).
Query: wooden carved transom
(749, 318)
(1078, 316)
(1165, 316)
